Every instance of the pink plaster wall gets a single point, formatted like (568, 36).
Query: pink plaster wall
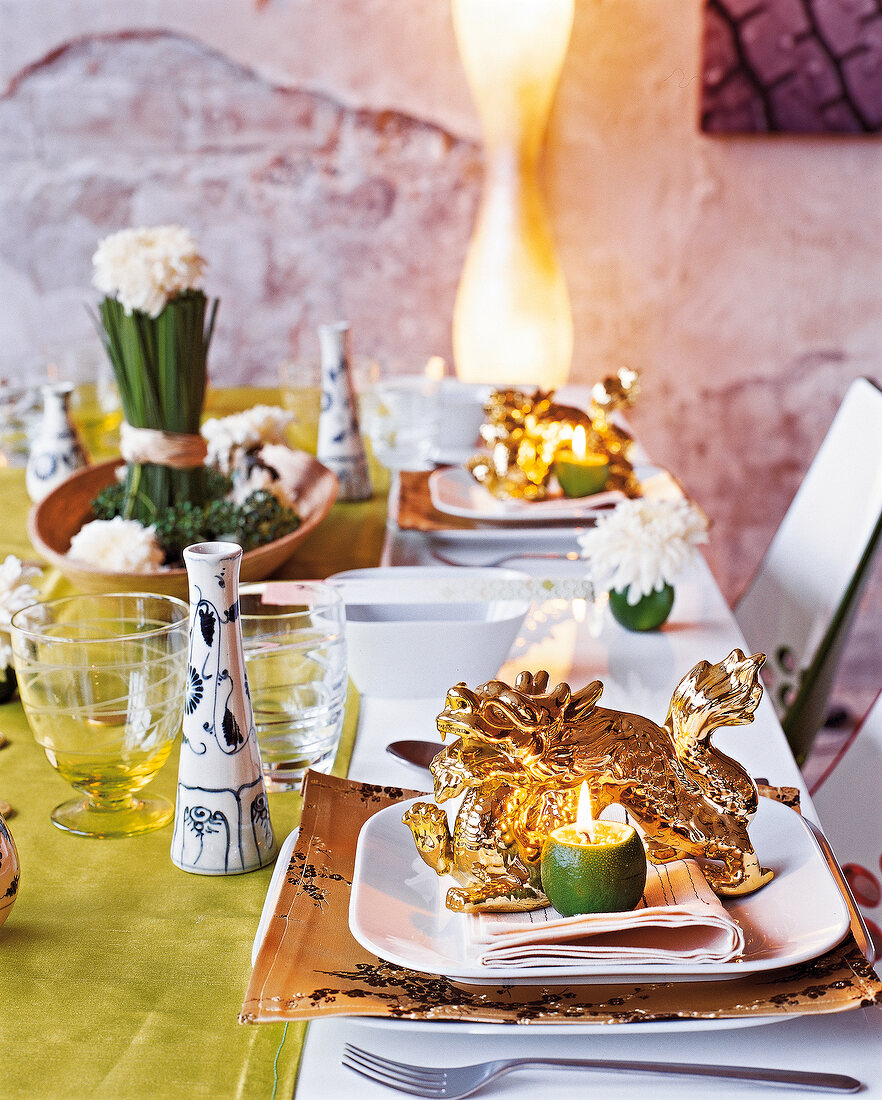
(327, 156)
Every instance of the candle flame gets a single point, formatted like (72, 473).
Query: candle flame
(584, 817)
(580, 442)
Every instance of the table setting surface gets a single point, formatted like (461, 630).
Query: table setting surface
(638, 671)
(121, 976)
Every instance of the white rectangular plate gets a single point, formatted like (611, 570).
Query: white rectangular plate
(455, 492)
(397, 910)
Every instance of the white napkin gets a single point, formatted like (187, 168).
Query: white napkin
(678, 920)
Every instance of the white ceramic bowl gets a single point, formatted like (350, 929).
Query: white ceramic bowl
(414, 632)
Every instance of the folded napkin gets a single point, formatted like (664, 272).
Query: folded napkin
(679, 920)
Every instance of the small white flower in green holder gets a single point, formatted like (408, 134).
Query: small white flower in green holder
(636, 553)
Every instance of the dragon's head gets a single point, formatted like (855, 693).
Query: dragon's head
(506, 731)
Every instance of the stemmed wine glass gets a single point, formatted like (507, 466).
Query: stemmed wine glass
(101, 679)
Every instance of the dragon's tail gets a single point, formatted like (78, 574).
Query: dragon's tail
(710, 696)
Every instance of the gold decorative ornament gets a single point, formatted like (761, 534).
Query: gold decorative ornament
(525, 432)
(522, 753)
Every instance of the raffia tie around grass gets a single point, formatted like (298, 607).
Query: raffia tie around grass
(163, 448)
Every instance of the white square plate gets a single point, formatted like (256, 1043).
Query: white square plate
(455, 492)
(397, 911)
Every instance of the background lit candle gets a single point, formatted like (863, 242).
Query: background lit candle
(579, 471)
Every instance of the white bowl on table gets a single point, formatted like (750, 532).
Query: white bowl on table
(413, 632)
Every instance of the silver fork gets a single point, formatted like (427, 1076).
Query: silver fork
(454, 1082)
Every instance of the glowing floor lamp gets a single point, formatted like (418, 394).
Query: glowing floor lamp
(512, 321)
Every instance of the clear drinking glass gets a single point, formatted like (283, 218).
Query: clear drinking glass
(101, 679)
(21, 409)
(401, 419)
(95, 403)
(295, 658)
(300, 383)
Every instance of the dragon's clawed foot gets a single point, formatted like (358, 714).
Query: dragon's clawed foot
(740, 874)
(496, 896)
(661, 853)
(431, 834)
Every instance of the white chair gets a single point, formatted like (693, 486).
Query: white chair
(847, 798)
(800, 604)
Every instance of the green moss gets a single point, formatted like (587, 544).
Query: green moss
(259, 519)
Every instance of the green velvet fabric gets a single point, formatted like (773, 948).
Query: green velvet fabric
(120, 975)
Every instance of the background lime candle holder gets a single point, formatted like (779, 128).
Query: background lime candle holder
(580, 472)
(580, 477)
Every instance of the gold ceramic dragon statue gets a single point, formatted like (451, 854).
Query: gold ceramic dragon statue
(522, 754)
(523, 433)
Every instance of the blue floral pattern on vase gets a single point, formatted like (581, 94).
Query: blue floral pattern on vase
(56, 452)
(222, 822)
(340, 445)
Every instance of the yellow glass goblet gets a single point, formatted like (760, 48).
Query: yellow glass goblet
(101, 679)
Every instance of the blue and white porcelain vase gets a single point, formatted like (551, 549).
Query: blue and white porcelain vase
(56, 451)
(222, 822)
(340, 446)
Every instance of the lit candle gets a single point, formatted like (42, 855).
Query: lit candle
(593, 866)
(580, 472)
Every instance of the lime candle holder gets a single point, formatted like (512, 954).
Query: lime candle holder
(601, 870)
(580, 472)
(581, 477)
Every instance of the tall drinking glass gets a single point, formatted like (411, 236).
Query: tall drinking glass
(295, 659)
(101, 679)
(401, 418)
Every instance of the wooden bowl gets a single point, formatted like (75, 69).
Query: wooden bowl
(56, 519)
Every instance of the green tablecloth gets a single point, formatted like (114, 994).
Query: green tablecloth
(120, 975)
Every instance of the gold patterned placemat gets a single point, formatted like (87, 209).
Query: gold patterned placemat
(413, 510)
(310, 966)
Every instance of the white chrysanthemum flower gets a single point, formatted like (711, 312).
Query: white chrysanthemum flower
(231, 434)
(642, 545)
(16, 592)
(144, 268)
(118, 546)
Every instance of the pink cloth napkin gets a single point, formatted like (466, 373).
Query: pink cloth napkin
(679, 920)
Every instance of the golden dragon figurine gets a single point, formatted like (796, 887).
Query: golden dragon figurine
(522, 753)
(523, 433)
